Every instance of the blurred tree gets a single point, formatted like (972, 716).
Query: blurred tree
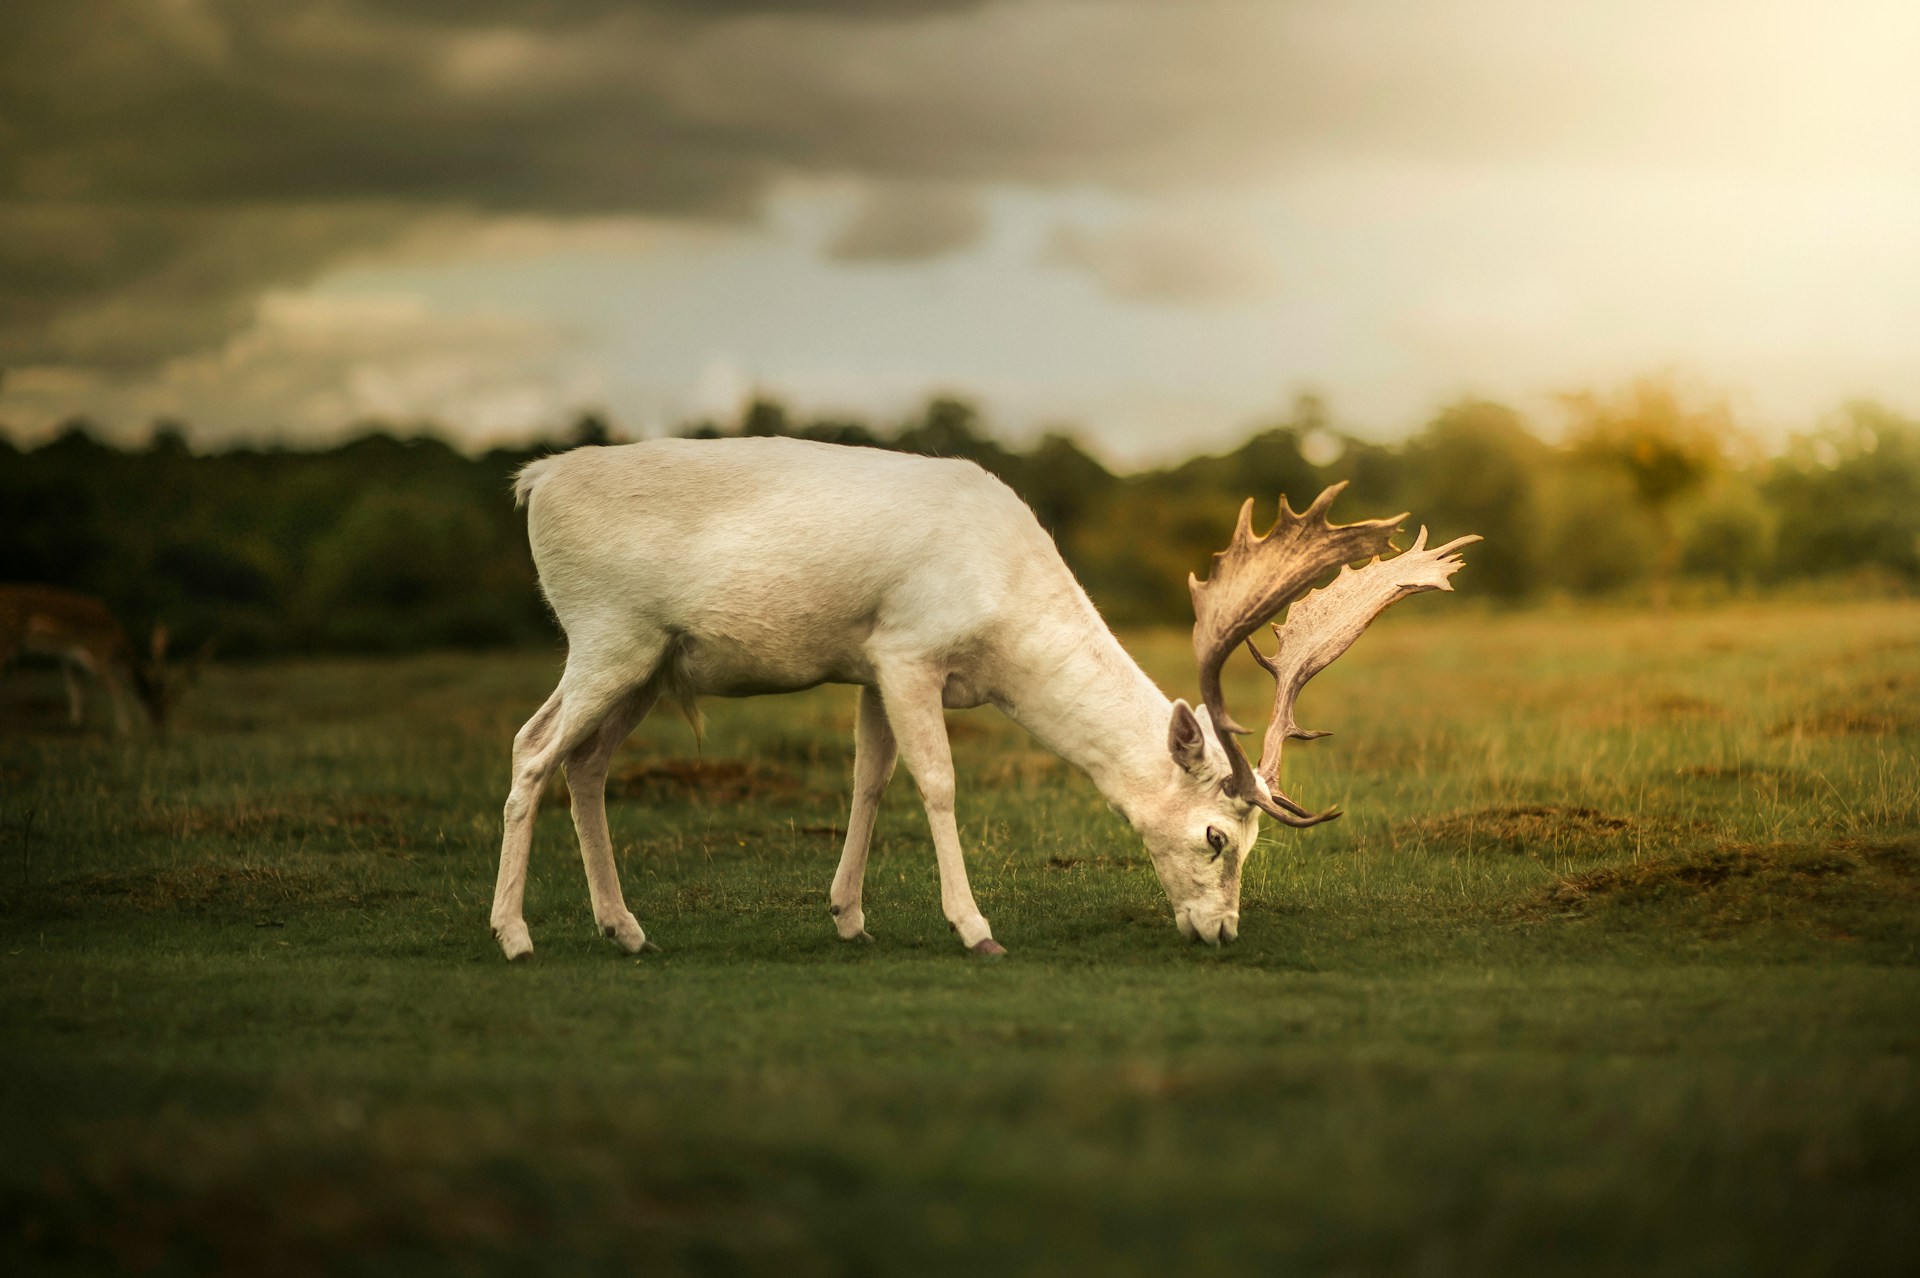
(168, 439)
(765, 417)
(398, 543)
(1063, 484)
(947, 427)
(1727, 531)
(1476, 469)
(1848, 496)
(833, 431)
(1597, 538)
(590, 429)
(1665, 447)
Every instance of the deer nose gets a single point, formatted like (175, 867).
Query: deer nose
(1209, 929)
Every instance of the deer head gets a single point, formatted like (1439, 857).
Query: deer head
(158, 682)
(1201, 836)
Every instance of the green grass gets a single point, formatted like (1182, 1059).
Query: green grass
(1614, 965)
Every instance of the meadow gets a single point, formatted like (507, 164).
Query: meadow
(1613, 965)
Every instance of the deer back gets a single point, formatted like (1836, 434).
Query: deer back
(780, 563)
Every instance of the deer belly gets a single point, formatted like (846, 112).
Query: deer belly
(723, 666)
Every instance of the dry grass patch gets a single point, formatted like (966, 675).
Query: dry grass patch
(1681, 706)
(1756, 776)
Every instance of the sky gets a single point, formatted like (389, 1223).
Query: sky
(1154, 224)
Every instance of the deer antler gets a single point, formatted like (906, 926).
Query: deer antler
(1325, 623)
(1251, 580)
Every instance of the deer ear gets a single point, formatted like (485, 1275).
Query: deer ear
(1186, 740)
(158, 644)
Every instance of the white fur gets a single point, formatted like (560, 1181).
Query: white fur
(747, 566)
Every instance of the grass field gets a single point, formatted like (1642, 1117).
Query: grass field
(1614, 965)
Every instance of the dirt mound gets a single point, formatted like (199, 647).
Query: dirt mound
(1735, 870)
(697, 780)
(1845, 722)
(1521, 830)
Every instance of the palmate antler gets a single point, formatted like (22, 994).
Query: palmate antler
(1326, 622)
(1255, 577)
(1251, 580)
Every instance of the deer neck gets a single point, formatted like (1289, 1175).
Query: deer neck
(1085, 698)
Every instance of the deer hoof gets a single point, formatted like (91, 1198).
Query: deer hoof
(626, 933)
(989, 949)
(515, 943)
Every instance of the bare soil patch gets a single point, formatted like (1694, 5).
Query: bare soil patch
(1521, 830)
(1736, 874)
(712, 781)
(1843, 722)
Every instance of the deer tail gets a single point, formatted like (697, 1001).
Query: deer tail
(526, 478)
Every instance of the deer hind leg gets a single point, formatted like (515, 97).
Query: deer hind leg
(874, 753)
(913, 707)
(573, 713)
(587, 783)
(530, 773)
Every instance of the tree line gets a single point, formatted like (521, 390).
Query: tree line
(388, 543)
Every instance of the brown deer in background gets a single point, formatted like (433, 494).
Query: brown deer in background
(84, 635)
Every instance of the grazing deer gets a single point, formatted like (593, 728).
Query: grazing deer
(85, 635)
(745, 566)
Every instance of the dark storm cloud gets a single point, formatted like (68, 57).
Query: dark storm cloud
(147, 146)
(571, 12)
(161, 165)
(119, 289)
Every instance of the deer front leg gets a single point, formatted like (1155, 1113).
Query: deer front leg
(874, 752)
(913, 708)
(587, 783)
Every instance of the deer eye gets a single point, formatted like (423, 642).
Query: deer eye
(1217, 841)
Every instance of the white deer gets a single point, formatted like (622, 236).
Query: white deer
(737, 567)
(84, 635)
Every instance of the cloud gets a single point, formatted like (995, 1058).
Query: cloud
(164, 165)
(308, 366)
(1177, 259)
(122, 289)
(910, 223)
